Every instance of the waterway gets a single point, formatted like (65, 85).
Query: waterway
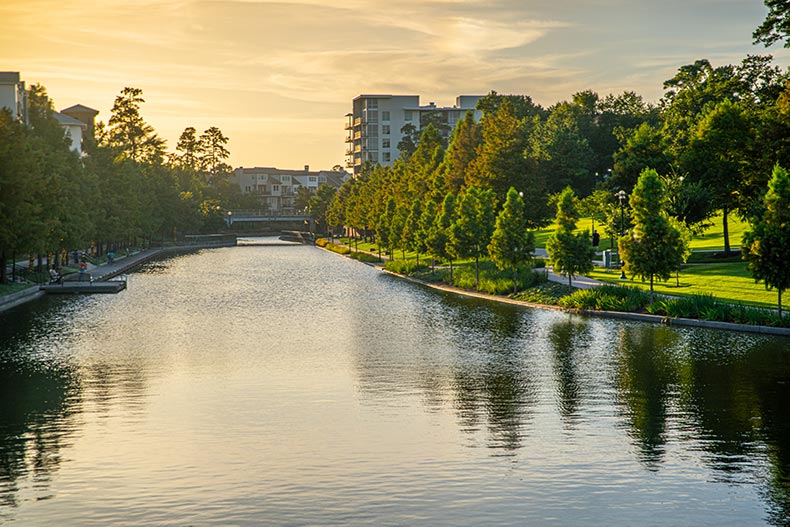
(287, 386)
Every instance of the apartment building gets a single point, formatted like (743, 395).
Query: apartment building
(277, 188)
(13, 95)
(76, 121)
(373, 128)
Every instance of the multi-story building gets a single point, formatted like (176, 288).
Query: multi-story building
(76, 120)
(277, 189)
(13, 95)
(374, 126)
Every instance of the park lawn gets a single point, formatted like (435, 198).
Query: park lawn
(713, 237)
(729, 282)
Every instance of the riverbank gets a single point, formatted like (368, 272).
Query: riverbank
(589, 284)
(104, 271)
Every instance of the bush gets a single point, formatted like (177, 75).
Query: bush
(364, 257)
(548, 293)
(339, 249)
(407, 267)
(495, 281)
(608, 298)
(321, 242)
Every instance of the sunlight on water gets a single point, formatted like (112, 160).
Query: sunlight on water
(264, 385)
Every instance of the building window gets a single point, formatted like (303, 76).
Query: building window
(385, 143)
(312, 179)
(373, 103)
(385, 116)
(321, 179)
(407, 115)
(386, 157)
(285, 179)
(275, 188)
(286, 189)
(385, 129)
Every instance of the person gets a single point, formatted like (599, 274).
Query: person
(83, 269)
(596, 238)
(110, 256)
(54, 276)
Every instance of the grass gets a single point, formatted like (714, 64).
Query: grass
(712, 239)
(728, 282)
(7, 289)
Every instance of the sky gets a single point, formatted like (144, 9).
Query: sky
(278, 77)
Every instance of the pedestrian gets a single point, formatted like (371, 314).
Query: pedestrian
(83, 269)
(111, 256)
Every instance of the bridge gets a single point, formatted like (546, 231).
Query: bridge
(264, 216)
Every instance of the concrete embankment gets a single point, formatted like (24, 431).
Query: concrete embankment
(586, 284)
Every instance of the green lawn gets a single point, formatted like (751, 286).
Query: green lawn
(710, 240)
(729, 282)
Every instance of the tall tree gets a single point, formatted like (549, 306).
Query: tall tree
(570, 253)
(767, 245)
(474, 223)
(461, 152)
(511, 244)
(719, 157)
(653, 248)
(438, 240)
(214, 154)
(129, 133)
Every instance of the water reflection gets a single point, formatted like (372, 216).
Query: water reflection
(39, 395)
(285, 376)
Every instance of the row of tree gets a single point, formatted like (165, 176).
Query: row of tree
(126, 187)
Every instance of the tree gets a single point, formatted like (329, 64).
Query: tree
(471, 232)
(411, 237)
(426, 226)
(188, 150)
(129, 133)
(767, 245)
(214, 154)
(460, 152)
(570, 253)
(643, 148)
(653, 248)
(409, 139)
(438, 240)
(511, 244)
(719, 158)
(776, 25)
(318, 204)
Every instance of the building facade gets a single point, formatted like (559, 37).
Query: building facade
(276, 188)
(13, 95)
(373, 128)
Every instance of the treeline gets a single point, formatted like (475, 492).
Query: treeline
(125, 190)
(714, 138)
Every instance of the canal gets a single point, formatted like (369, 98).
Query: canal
(287, 386)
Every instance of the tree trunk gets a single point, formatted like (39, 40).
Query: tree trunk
(2, 266)
(477, 273)
(451, 272)
(651, 288)
(725, 230)
(515, 284)
(780, 303)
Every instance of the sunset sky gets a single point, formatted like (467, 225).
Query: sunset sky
(278, 77)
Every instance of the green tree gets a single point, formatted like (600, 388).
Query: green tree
(461, 152)
(128, 132)
(438, 240)
(384, 231)
(570, 253)
(318, 205)
(719, 157)
(767, 245)
(776, 25)
(411, 237)
(426, 226)
(214, 153)
(474, 224)
(409, 138)
(511, 243)
(653, 248)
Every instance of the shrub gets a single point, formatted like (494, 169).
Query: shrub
(545, 293)
(364, 257)
(321, 242)
(407, 267)
(607, 297)
(339, 249)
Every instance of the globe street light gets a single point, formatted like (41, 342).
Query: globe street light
(621, 196)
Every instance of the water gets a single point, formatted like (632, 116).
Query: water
(288, 386)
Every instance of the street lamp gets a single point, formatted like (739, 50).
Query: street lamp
(230, 218)
(621, 196)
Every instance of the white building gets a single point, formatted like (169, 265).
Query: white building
(13, 95)
(74, 130)
(374, 126)
(276, 188)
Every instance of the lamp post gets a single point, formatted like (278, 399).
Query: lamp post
(621, 196)
(230, 219)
